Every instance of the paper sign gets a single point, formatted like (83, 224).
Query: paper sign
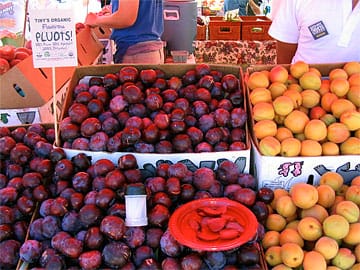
(12, 16)
(53, 38)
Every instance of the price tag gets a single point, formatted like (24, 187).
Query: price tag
(53, 37)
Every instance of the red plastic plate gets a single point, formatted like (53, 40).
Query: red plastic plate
(186, 235)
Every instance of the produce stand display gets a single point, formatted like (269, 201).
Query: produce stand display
(205, 143)
(76, 175)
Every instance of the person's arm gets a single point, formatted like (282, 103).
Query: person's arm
(285, 52)
(255, 8)
(124, 17)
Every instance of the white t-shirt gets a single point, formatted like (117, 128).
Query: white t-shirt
(325, 31)
(274, 7)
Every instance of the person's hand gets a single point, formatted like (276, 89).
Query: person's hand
(91, 19)
(106, 10)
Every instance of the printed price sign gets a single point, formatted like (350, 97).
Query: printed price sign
(53, 38)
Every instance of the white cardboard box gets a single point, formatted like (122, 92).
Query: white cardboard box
(242, 158)
(192, 160)
(22, 116)
(283, 172)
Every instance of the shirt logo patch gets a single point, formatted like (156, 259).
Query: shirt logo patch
(318, 30)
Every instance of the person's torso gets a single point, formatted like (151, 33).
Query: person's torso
(331, 30)
(148, 25)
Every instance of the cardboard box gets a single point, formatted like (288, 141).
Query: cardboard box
(25, 86)
(255, 28)
(21, 116)
(220, 29)
(193, 160)
(283, 172)
(32, 115)
(47, 110)
(89, 47)
(25, 91)
(201, 32)
(144, 160)
(102, 32)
